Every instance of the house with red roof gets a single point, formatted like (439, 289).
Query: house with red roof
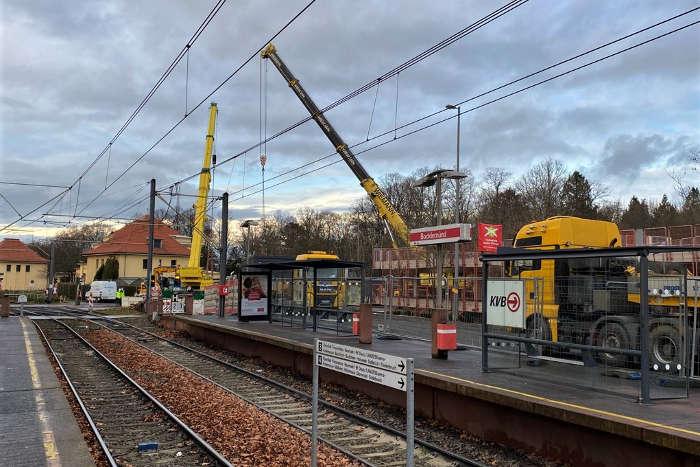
(129, 246)
(21, 268)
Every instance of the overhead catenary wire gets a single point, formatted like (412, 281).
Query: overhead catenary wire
(37, 185)
(199, 104)
(510, 6)
(500, 98)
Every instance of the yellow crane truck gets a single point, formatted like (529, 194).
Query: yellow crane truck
(396, 227)
(596, 301)
(192, 275)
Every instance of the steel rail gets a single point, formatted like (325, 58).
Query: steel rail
(246, 399)
(305, 396)
(198, 439)
(88, 417)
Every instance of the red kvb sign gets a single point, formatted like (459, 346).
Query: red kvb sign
(490, 237)
(449, 233)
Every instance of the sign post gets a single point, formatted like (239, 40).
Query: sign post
(387, 370)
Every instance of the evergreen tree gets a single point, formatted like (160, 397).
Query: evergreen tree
(637, 215)
(691, 207)
(665, 213)
(577, 197)
(111, 269)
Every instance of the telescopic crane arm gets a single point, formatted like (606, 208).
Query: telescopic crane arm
(396, 225)
(200, 211)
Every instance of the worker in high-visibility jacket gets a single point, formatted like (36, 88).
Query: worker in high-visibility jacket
(120, 295)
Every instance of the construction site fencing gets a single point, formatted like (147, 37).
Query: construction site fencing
(605, 321)
(404, 306)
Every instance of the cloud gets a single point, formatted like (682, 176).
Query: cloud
(71, 73)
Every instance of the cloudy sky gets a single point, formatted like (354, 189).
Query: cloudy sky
(73, 71)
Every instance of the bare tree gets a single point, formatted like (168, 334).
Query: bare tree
(541, 188)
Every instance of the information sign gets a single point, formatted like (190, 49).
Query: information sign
(387, 370)
(22, 299)
(363, 356)
(448, 233)
(358, 370)
(505, 303)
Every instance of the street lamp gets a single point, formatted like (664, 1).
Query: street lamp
(458, 202)
(435, 178)
(248, 224)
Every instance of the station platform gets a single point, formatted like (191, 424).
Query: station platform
(38, 426)
(551, 417)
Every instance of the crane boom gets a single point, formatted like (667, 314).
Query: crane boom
(200, 211)
(386, 210)
(192, 275)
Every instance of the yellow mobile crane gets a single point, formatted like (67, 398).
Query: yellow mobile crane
(192, 275)
(392, 219)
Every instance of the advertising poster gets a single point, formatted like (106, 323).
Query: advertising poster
(490, 237)
(254, 301)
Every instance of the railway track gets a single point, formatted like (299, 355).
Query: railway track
(363, 439)
(125, 418)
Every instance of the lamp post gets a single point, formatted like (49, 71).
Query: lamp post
(435, 178)
(248, 224)
(438, 315)
(458, 199)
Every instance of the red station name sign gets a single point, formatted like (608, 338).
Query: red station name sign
(449, 233)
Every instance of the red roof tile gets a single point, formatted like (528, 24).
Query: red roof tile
(133, 238)
(13, 250)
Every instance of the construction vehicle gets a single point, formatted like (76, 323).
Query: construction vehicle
(193, 276)
(393, 221)
(331, 291)
(596, 300)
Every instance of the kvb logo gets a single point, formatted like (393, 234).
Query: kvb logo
(512, 301)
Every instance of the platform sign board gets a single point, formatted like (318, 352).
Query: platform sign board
(22, 299)
(505, 302)
(448, 233)
(253, 296)
(387, 370)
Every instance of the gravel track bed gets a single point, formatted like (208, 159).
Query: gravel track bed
(89, 436)
(239, 431)
(440, 434)
(123, 415)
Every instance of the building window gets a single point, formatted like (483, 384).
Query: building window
(173, 263)
(26, 268)
(157, 243)
(8, 268)
(145, 263)
(18, 268)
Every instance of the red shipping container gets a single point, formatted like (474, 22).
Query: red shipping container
(446, 337)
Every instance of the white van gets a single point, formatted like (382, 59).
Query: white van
(103, 290)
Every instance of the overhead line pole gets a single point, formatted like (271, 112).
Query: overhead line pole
(223, 253)
(149, 260)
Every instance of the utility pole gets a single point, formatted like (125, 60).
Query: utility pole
(224, 250)
(149, 260)
(52, 270)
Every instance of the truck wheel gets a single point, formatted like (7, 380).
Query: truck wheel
(612, 336)
(665, 346)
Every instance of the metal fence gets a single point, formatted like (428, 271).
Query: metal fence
(295, 303)
(605, 319)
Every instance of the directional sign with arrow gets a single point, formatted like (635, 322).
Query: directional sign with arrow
(358, 370)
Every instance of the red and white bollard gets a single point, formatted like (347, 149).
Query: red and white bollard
(446, 337)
